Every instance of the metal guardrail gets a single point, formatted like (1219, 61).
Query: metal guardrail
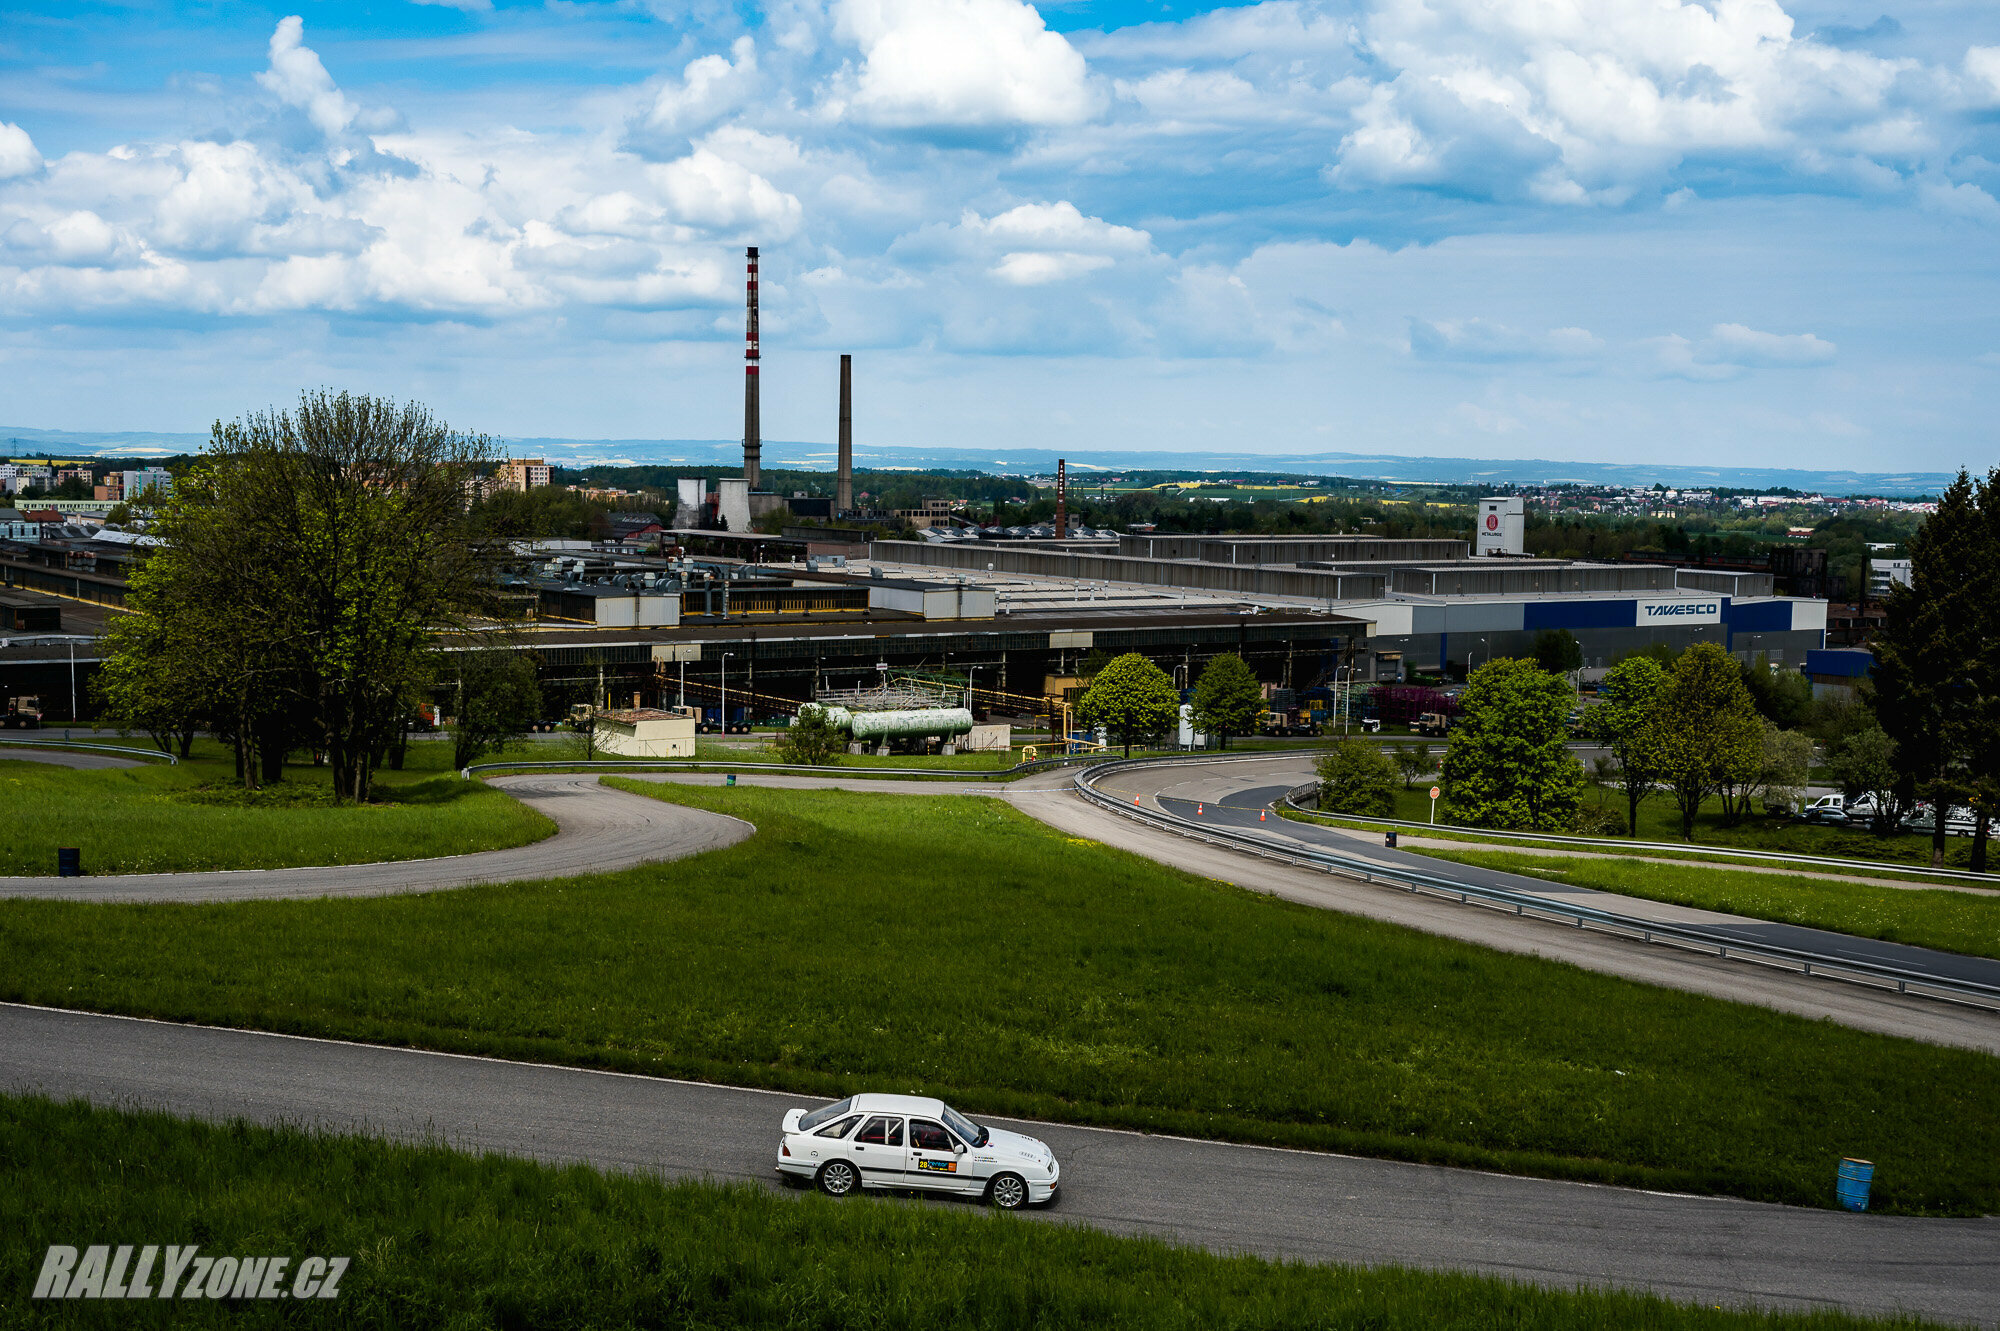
(1701, 848)
(1724, 946)
(153, 755)
(1622, 844)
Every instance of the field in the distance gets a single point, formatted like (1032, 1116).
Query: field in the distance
(445, 1239)
(950, 945)
(160, 819)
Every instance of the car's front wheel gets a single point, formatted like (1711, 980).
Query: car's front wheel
(838, 1179)
(1009, 1192)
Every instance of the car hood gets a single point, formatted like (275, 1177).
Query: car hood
(1013, 1144)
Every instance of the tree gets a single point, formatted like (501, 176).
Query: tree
(1413, 761)
(1927, 653)
(1782, 773)
(140, 686)
(1356, 777)
(306, 568)
(1131, 698)
(1864, 763)
(810, 740)
(1784, 696)
(1622, 721)
(1558, 652)
(1228, 700)
(498, 699)
(1508, 763)
(1984, 792)
(1705, 732)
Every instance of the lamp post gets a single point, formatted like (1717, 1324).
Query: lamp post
(727, 692)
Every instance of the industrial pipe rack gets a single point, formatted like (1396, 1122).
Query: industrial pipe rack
(1721, 945)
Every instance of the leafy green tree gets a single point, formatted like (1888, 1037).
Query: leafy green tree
(497, 698)
(1928, 651)
(1131, 698)
(1227, 699)
(1622, 721)
(550, 511)
(141, 685)
(1864, 763)
(1413, 761)
(1984, 764)
(1508, 763)
(1706, 733)
(810, 740)
(1356, 777)
(1783, 771)
(1784, 696)
(311, 560)
(1558, 652)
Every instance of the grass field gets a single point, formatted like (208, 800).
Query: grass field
(159, 819)
(1954, 921)
(442, 1239)
(950, 945)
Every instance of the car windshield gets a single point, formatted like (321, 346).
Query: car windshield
(819, 1116)
(974, 1134)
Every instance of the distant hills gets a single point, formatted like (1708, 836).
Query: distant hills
(727, 454)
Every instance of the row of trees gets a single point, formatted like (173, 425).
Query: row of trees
(309, 570)
(1135, 701)
(1688, 726)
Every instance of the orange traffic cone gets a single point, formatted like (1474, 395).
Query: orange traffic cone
(1135, 801)
(1260, 815)
(1197, 809)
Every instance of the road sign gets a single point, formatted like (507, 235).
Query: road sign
(1434, 792)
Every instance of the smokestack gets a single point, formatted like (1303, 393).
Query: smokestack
(1062, 499)
(843, 486)
(753, 427)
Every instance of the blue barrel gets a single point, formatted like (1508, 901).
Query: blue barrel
(69, 862)
(1850, 1185)
(730, 780)
(1389, 839)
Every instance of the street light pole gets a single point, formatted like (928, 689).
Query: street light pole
(725, 691)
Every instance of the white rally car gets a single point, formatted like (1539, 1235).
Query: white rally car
(907, 1141)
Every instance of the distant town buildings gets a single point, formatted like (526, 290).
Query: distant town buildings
(524, 474)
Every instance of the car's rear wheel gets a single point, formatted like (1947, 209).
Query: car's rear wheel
(838, 1178)
(1009, 1192)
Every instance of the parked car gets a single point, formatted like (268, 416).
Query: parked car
(1825, 809)
(1958, 821)
(908, 1141)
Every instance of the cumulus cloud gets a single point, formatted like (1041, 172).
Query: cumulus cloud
(298, 79)
(710, 87)
(1570, 103)
(708, 190)
(1052, 242)
(17, 152)
(961, 64)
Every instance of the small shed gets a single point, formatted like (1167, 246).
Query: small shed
(646, 732)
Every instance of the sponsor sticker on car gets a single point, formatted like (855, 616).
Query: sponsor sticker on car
(937, 1166)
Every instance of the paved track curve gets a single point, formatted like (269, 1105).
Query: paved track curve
(599, 829)
(66, 758)
(1276, 1203)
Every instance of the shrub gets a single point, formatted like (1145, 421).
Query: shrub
(1355, 777)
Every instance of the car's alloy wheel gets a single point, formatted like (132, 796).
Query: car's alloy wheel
(1008, 1192)
(838, 1179)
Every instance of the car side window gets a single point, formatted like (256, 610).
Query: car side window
(881, 1131)
(838, 1129)
(926, 1136)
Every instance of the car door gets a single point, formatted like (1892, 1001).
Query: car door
(935, 1161)
(879, 1151)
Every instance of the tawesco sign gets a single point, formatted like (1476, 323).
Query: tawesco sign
(1691, 610)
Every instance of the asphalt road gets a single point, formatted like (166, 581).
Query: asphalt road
(1238, 810)
(65, 758)
(599, 829)
(1289, 1204)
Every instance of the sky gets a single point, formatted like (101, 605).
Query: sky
(1726, 232)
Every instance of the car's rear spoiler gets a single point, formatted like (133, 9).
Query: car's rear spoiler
(792, 1117)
